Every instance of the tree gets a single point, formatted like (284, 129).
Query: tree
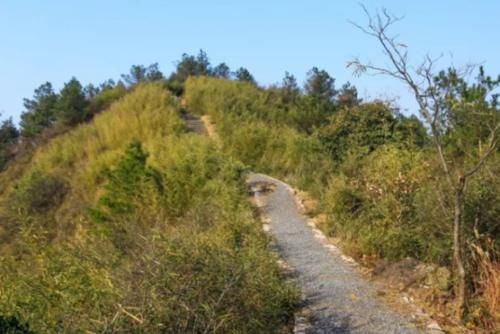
(153, 73)
(40, 111)
(410, 131)
(363, 128)
(126, 185)
(464, 124)
(90, 91)
(222, 71)
(8, 135)
(139, 73)
(290, 88)
(320, 84)
(8, 132)
(71, 107)
(202, 64)
(347, 96)
(190, 65)
(242, 74)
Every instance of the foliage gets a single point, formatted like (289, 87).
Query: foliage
(10, 325)
(71, 106)
(191, 65)
(373, 168)
(375, 204)
(242, 74)
(222, 71)
(176, 248)
(140, 73)
(347, 96)
(8, 135)
(252, 126)
(105, 95)
(290, 88)
(37, 192)
(320, 84)
(129, 186)
(365, 127)
(125, 182)
(40, 111)
(470, 112)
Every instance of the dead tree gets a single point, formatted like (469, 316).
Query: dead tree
(422, 84)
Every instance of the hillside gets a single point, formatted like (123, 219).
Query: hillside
(130, 224)
(119, 217)
(380, 186)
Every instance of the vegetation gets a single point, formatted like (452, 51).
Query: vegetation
(464, 124)
(8, 136)
(383, 189)
(129, 224)
(119, 220)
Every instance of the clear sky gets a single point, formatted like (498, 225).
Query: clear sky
(53, 40)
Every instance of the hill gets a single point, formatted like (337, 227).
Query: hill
(130, 224)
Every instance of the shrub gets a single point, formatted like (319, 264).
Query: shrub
(378, 205)
(11, 325)
(38, 192)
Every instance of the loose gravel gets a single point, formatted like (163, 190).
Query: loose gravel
(335, 298)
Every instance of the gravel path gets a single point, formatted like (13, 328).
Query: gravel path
(336, 297)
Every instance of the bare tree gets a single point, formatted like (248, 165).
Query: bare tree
(421, 81)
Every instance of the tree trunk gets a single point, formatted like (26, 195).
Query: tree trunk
(457, 248)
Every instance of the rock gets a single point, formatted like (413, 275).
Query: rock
(433, 328)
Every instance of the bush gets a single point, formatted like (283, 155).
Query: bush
(174, 248)
(38, 192)
(379, 205)
(10, 325)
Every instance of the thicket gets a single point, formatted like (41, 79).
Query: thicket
(74, 104)
(8, 136)
(152, 233)
(375, 171)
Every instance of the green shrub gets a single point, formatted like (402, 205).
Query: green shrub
(10, 325)
(379, 206)
(126, 185)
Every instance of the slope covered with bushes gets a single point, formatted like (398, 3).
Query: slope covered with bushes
(377, 177)
(130, 224)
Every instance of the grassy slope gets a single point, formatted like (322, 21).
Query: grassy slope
(188, 258)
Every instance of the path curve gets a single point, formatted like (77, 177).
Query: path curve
(337, 298)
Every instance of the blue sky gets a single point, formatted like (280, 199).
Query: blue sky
(95, 39)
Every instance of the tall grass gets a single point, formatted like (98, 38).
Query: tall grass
(253, 128)
(187, 256)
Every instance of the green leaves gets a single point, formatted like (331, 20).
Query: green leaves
(40, 111)
(127, 185)
(71, 106)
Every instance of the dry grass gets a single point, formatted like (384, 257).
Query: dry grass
(489, 283)
(491, 288)
(210, 126)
